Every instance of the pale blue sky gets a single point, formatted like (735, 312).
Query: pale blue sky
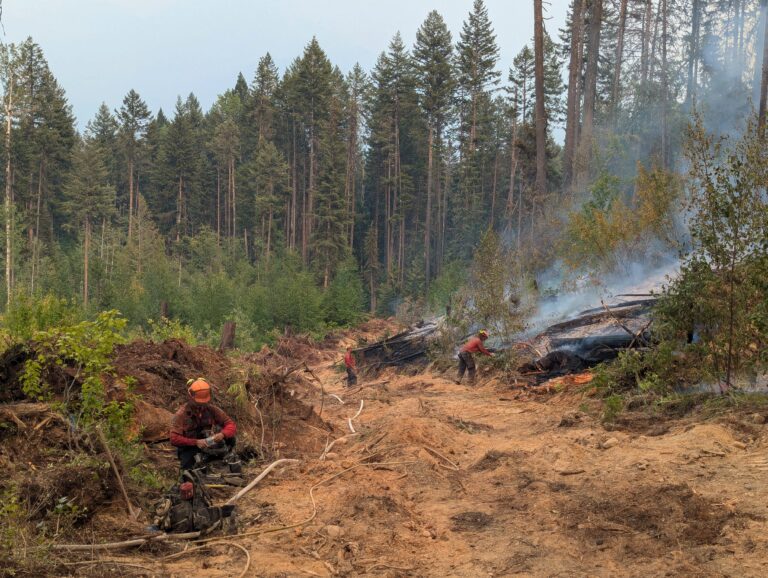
(99, 49)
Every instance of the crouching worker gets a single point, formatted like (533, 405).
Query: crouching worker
(466, 357)
(201, 427)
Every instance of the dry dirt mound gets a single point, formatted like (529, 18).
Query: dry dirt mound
(161, 370)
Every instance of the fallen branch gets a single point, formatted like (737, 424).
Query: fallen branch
(117, 562)
(341, 401)
(387, 566)
(215, 543)
(330, 445)
(124, 543)
(438, 454)
(134, 513)
(260, 477)
(571, 472)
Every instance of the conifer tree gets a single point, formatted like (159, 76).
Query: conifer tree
(396, 156)
(433, 55)
(133, 117)
(477, 55)
(88, 197)
(266, 181)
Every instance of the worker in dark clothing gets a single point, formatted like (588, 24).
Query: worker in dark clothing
(466, 357)
(198, 425)
(351, 365)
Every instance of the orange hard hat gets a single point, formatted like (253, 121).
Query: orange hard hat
(199, 390)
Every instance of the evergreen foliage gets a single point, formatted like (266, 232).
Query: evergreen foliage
(324, 183)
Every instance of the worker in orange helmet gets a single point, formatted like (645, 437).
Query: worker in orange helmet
(199, 426)
(351, 366)
(466, 357)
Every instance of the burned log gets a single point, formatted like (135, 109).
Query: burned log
(409, 346)
(594, 336)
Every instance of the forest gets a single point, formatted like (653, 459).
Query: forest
(349, 239)
(307, 196)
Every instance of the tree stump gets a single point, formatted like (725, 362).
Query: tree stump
(163, 309)
(227, 336)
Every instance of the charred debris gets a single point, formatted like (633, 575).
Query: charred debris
(566, 346)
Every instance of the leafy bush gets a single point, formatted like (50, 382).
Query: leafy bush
(610, 230)
(28, 315)
(165, 329)
(719, 299)
(87, 346)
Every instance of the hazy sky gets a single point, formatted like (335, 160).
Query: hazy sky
(99, 49)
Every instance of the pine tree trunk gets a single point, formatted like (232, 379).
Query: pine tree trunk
(645, 53)
(590, 89)
(428, 215)
(218, 204)
(764, 80)
(234, 197)
(86, 253)
(269, 235)
(308, 217)
(654, 39)
(664, 88)
(446, 194)
(619, 56)
(179, 203)
(130, 196)
(36, 245)
(397, 193)
(438, 258)
(512, 166)
(8, 194)
(541, 119)
(492, 220)
(690, 93)
(388, 218)
(294, 193)
(574, 95)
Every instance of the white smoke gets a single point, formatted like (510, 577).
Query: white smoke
(635, 279)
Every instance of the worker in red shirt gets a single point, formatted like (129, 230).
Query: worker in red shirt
(199, 425)
(351, 365)
(467, 360)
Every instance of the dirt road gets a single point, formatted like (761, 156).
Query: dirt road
(487, 482)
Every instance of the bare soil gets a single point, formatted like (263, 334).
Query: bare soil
(448, 480)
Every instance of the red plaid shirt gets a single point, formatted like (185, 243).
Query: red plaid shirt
(192, 420)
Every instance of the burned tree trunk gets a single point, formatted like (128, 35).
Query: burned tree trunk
(227, 336)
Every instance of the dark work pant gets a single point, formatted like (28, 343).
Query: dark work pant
(187, 454)
(466, 363)
(351, 377)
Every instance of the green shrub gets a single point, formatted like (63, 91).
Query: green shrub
(87, 347)
(343, 300)
(165, 329)
(28, 315)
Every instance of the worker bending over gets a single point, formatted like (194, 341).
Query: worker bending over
(466, 357)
